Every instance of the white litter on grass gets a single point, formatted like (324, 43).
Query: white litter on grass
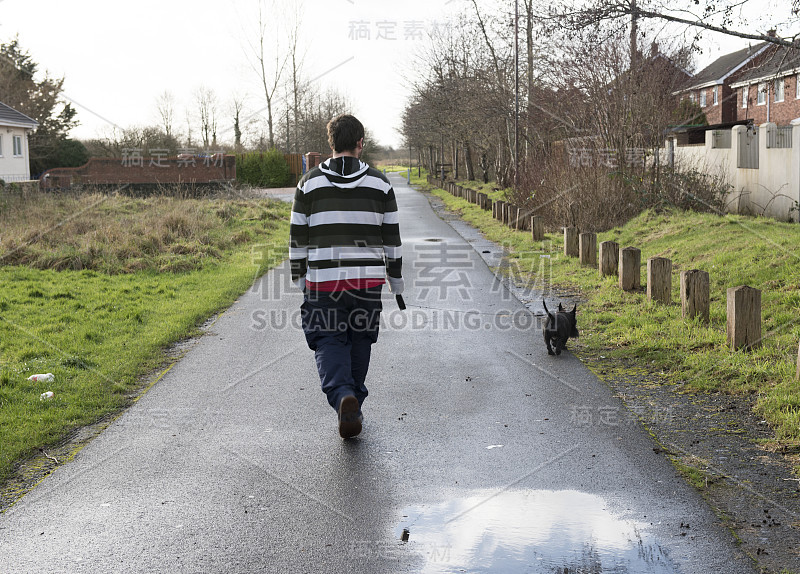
(46, 378)
(46, 396)
(491, 446)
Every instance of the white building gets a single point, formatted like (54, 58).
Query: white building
(15, 162)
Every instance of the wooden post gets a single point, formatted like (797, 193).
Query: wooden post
(609, 258)
(797, 375)
(537, 227)
(695, 295)
(630, 274)
(524, 221)
(744, 317)
(659, 280)
(571, 241)
(518, 223)
(587, 246)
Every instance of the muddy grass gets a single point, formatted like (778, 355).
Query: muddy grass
(724, 451)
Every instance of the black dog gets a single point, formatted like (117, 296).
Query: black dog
(559, 327)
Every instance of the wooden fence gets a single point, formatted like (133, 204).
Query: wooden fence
(743, 302)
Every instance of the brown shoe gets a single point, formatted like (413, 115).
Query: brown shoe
(349, 417)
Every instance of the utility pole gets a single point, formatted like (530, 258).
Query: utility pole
(516, 91)
(409, 164)
(441, 160)
(634, 34)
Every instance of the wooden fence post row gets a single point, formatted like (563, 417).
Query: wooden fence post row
(744, 317)
(659, 280)
(630, 262)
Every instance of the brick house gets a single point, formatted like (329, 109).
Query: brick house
(15, 162)
(770, 92)
(711, 87)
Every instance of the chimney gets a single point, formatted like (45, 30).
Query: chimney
(772, 33)
(654, 49)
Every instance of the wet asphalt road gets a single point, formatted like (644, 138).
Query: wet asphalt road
(491, 455)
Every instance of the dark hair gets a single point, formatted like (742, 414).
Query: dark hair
(344, 131)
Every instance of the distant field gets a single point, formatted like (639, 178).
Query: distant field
(95, 287)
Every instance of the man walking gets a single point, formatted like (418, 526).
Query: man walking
(344, 245)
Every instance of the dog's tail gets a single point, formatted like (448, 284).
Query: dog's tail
(546, 310)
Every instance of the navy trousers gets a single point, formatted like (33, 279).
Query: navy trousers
(340, 328)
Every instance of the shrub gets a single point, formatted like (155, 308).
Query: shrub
(268, 169)
(597, 197)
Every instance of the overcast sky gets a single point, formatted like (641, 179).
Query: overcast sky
(117, 57)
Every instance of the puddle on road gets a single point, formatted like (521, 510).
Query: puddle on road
(538, 531)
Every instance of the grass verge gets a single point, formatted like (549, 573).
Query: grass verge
(98, 331)
(734, 250)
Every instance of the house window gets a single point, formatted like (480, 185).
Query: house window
(779, 84)
(17, 146)
(745, 95)
(702, 98)
(715, 95)
(762, 93)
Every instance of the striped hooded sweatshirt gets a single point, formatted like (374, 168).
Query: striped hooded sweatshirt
(345, 231)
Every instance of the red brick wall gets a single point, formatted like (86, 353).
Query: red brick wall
(781, 113)
(728, 103)
(725, 110)
(140, 169)
(713, 113)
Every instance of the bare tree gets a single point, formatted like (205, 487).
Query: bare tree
(188, 119)
(269, 66)
(165, 107)
(296, 57)
(206, 102)
(237, 107)
(721, 16)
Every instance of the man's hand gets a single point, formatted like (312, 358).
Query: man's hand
(396, 285)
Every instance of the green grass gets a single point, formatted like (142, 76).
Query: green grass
(119, 234)
(734, 250)
(99, 333)
(388, 168)
(693, 475)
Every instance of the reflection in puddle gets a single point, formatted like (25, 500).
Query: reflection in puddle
(564, 532)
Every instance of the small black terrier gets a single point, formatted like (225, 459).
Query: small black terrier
(559, 327)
